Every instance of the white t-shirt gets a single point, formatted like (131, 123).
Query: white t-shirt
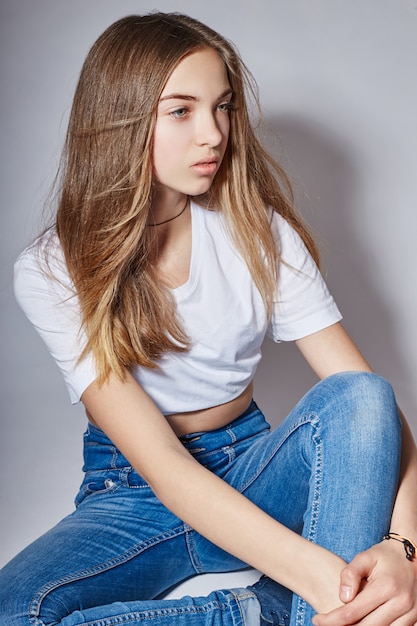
(221, 309)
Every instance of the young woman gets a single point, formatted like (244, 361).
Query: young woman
(174, 252)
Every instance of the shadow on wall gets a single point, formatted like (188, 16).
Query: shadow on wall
(327, 185)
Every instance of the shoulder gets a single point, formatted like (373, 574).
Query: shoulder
(215, 223)
(282, 229)
(45, 247)
(290, 245)
(41, 269)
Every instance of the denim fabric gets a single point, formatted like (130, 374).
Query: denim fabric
(329, 471)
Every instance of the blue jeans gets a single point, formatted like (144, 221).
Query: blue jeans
(329, 471)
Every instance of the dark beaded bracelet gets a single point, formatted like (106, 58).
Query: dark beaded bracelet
(409, 547)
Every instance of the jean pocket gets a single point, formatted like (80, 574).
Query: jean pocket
(133, 480)
(98, 483)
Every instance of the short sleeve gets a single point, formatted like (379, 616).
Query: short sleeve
(47, 297)
(303, 304)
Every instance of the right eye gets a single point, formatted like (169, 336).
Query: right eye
(179, 113)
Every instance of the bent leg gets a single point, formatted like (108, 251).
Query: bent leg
(340, 440)
(352, 448)
(330, 470)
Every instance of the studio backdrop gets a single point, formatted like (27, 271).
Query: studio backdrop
(338, 87)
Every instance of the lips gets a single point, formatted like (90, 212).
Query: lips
(206, 166)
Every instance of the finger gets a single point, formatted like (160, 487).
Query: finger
(350, 583)
(354, 575)
(389, 613)
(358, 609)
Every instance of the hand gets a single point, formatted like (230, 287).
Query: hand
(379, 588)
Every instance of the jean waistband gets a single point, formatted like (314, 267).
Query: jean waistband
(249, 423)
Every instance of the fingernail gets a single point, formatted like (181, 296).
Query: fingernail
(345, 593)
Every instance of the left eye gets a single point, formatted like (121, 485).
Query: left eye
(225, 107)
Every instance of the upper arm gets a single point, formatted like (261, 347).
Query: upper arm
(332, 350)
(46, 295)
(303, 303)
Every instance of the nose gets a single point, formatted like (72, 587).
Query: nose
(208, 130)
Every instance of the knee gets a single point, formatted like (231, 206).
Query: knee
(365, 402)
(367, 387)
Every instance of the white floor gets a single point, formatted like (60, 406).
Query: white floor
(204, 584)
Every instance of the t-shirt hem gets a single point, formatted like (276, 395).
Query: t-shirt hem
(309, 326)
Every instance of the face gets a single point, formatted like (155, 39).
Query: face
(192, 126)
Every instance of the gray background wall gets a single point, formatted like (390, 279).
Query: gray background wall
(338, 87)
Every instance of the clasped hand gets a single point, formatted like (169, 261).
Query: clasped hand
(378, 588)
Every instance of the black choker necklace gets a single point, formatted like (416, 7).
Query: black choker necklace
(172, 218)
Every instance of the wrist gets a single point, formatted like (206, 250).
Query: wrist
(410, 548)
(321, 580)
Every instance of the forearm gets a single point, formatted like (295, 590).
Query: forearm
(404, 517)
(232, 522)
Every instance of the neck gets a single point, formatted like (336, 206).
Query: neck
(173, 217)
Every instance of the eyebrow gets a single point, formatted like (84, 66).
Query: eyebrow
(180, 96)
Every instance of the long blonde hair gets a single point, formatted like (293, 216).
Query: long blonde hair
(106, 185)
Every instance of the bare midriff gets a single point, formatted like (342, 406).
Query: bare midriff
(212, 418)
(206, 419)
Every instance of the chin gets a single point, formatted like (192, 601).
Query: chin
(201, 189)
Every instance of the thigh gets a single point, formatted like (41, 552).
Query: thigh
(327, 455)
(266, 466)
(120, 544)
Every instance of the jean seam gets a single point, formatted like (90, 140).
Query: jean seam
(37, 600)
(192, 550)
(155, 614)
(237, 599)
(317, 472)
(318, 477)
(302, 421)
(231, 434)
